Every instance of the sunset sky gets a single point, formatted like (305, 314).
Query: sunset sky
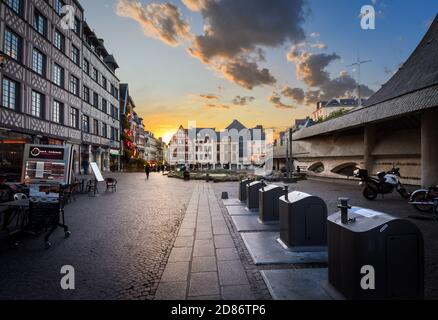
(259, 61)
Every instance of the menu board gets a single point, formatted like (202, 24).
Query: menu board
(47, 163)
(96, 171)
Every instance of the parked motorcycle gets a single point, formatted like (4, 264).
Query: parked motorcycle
(425, 200)
(385, 183)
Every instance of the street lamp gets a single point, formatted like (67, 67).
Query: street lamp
(4, 59)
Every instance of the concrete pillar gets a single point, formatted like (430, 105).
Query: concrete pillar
(369, 143)
(429, 151)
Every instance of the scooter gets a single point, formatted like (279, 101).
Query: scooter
(425, 200)
(385, 183)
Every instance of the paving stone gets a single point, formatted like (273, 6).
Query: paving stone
(176, 272)
(171, 291)
(240, 292)
(207, 298)
(227, 254)
(184, 242)
(204, 249)
(200, 235)
(180, 254)
(204, 264)
(223, 241)
(231, 273)
(183, 232)
(203, 284)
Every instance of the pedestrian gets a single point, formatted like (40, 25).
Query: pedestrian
(147, 170)
(85, 165)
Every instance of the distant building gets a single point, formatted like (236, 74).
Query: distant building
(325, 108)
(235, 148)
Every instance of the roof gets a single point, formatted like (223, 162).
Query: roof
(236, 124)
(413, 88)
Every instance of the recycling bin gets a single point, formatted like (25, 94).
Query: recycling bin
(252, 194)
(268, 202)
(242, 189)
(386, 250)
(303, 221)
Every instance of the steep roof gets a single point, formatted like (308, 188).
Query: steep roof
(236, 124)
(413, 88)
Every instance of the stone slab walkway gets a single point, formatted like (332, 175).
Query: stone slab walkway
(204, 262)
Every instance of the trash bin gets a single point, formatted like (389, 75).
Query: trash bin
(252, 194)
(186, 175)
(268, 202)
(392, 247)
(242, 189)
(303, 221)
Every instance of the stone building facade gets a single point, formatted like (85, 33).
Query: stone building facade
(43, 80)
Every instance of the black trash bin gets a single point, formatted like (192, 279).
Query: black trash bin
(252, 194)
(242, 189)
(303, 221)
(392, 247)
(268, 202)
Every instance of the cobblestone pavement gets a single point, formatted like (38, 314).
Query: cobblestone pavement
(330, 191)
(119, 246)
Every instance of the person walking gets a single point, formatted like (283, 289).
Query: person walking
(147, 170)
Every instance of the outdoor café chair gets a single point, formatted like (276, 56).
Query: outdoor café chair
(20, 196)
(92, 187)
(111, 184)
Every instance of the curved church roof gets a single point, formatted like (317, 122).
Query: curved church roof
(413, 88)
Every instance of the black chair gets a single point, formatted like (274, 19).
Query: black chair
(92, 187)
(47, 216)
(111, 184)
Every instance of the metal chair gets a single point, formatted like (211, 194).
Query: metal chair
(111, 184)
(92, 187)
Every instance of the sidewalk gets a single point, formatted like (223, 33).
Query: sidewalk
(204, 262)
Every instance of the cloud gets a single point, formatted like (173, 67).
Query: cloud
(196, 5)
(246, 73)
(314, 35)
(162, 21)
(233, 27)
(275, 99)
(242, 101)
(216, 106)
(311, 68)
(296, 94)
(209, 96)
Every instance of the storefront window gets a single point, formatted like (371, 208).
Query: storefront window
(11, 156)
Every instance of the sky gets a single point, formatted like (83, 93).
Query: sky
(259, 61)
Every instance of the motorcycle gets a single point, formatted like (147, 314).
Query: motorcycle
(425, 200)
(385, 183)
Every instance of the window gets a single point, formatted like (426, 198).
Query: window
(104, 106)
(38, 62)
(12, 45)
(86, 66)
(86, 123)
(114, 112)
(15, 5)
(104, 83)
(116, 133)
(116, 93)
(57, 112)
(74, 56)
(10, 96)
(74, 114)
(95, 127)
(87, 94)
(95, 100)
(104, 130)
(113, 134)
(95, 75)
(59, 41)
(58, 75)
(77, 29)
(58, 6)
(74, 85)
(37, 104)
(40, 23)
